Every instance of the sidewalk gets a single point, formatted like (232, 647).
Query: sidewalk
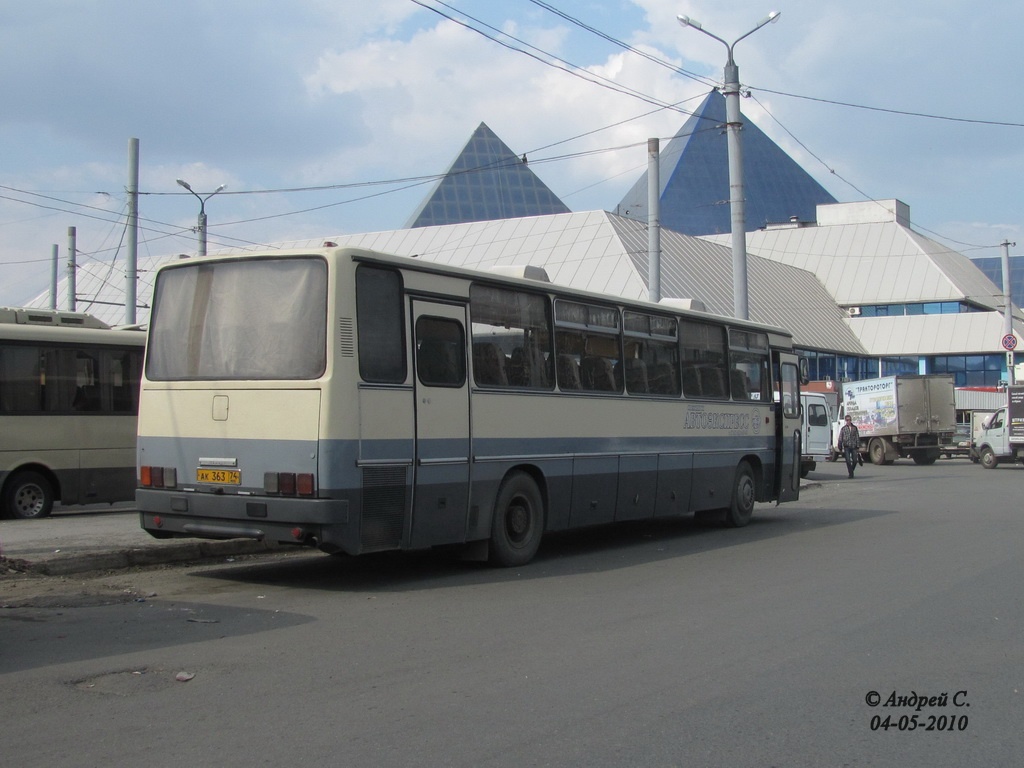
(101, 537)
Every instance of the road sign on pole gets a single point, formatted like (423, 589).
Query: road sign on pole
(1009, 342)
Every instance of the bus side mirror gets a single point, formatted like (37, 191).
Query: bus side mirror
(805, 375)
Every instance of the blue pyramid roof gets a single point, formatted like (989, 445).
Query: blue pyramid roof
(487, 181)
(694, 176)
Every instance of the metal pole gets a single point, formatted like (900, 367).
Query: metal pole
(737, 201)
(1007, 309)
(202, 227)
(653, 220)
(72, 256)
(201, 224)
(131, 275)
(54, 272)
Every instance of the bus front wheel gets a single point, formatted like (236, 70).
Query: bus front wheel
(743, 495)
(28, 495)
(518, 523)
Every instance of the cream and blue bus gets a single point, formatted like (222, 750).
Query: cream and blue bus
(360, 402)
(69, 397)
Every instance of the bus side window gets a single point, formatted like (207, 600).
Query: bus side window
(440, 352)
(381, 322)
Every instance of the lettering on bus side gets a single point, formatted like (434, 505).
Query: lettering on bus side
(700, 418)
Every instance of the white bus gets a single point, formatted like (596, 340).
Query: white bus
(361, 402)
(69, 398)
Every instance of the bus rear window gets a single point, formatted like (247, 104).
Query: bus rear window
(243, 319)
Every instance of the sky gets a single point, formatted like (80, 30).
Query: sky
(329, 117)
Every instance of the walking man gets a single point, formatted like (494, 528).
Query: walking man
(849, 444)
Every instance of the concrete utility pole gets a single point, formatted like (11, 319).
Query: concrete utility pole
(1007, 309)
(201, 228)
(653, 220)
(72, 268)
(737, 202)
(131, 274)
(54, 272)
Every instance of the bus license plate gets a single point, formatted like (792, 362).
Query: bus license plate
(220, 476)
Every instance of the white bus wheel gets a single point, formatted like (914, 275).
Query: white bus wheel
(518, 523)
(743, 495)
(28, 495)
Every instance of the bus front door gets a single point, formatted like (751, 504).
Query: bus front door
(788, 426)
(442, 453)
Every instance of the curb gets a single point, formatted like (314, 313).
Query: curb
(120, 559)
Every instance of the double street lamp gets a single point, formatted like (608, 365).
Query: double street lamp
(733, 120)
(201, 228)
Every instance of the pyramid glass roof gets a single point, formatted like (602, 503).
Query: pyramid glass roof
(487, 181)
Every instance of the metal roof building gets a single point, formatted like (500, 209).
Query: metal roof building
(592, 250)
(912, 303)
(862, 293)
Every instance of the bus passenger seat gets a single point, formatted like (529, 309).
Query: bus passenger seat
(712, 382)
(568, 373)
(740, 385)
(597, 374)
(663, 379)
(691, 382)
(489, 364)
(636, 376)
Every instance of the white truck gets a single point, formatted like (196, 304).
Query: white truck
(817, 430)
(1000, 437)
(899, 416)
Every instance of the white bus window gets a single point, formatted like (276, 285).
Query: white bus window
(440, 352)
(703, 350)
(650, 364)
(381, 323)
(124, 368)
(587, 347)
(21, 379)
(511, 338)
(240, 320)
(748, 365)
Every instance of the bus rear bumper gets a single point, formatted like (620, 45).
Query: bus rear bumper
(321, 523)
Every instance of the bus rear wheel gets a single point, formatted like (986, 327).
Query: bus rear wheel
(518, 523)
(744, 493)
(28, 495)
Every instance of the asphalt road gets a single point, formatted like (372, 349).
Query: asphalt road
(659, 644)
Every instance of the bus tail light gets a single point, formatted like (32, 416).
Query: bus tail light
(289, 483)
(158, 477)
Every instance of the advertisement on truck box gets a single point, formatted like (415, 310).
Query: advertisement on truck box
(872, 404)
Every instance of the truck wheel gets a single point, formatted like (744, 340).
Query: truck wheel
(28, 495)
(743, 495)
(876, 451)
(518, 523)
(926, 457)
(988, 458)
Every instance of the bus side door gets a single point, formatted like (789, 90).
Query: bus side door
(442, 453)
(788, 425)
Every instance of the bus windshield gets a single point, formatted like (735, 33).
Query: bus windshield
(240, 320)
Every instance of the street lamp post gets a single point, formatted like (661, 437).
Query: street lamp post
(201, 228)
(731, 91)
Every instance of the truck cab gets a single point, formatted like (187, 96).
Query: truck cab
(991, 441)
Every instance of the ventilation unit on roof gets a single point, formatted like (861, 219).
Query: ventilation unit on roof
(527, 271)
